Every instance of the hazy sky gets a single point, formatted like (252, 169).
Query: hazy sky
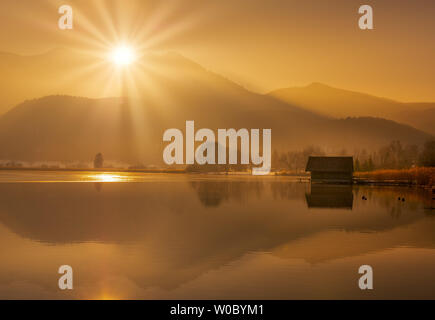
(261, 44)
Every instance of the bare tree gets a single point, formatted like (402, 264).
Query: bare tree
(98, 161)
(427, 156)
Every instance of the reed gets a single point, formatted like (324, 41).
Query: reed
(424, 176)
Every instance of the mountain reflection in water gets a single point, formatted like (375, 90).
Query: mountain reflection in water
(200, 236)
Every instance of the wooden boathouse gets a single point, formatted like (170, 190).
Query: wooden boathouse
(330, 169)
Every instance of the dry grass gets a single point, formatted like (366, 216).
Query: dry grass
(422, 176)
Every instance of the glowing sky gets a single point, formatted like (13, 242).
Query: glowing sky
(261, 44)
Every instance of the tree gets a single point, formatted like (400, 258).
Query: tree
(275, 160)
(370, 164)
(98, 161)
(409, 156)
(390, 155)
(427, 156)
(357, 165)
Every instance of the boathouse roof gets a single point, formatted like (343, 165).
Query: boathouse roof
(330, 164)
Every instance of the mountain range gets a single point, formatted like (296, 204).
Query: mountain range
(164, 91)
(339, 103)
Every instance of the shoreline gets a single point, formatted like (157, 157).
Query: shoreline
(301, 176)
(94, 170)
(389, 183)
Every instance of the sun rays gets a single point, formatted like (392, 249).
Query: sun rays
(116, 38)
(116, 49)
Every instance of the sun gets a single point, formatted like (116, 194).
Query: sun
(122, 55)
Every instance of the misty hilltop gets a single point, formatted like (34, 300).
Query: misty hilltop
(64, 128)
(72, 121)
(339, 103)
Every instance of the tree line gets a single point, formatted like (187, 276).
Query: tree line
(392, 156)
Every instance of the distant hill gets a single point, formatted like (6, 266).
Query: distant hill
(423, 119)
(168, 90)
(67, 128)
(339, 103)
(59, 71)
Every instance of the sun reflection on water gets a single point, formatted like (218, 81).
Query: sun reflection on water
(106, 177)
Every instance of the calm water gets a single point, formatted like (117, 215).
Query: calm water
(209, 237)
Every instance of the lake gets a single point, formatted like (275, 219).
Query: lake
(177, 236)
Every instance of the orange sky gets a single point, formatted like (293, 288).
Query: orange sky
(261, 44)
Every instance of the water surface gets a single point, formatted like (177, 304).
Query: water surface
(163, 236)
